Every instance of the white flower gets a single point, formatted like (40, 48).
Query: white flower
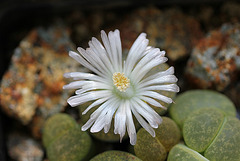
(121, 88)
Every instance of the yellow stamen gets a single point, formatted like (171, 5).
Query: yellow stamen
(121, 81)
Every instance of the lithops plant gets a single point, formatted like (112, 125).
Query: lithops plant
(56, 126)
(200, 129)
(150, 148)
(213, 134)
(64, 140)
(114, 155)
(192, 100)
(181, 152)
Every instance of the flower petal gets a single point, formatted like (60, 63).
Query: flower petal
(142, 122)
(130, 124)
(88, 124)
(169, 71)
(107, 46)
(109, 116)
(152, 102)
(155, 117)
(98, 62)
(120, 121)
(158, 80)
(114, 51)
(119, 48)
(75, 85)
(165, 87)
(115, 104)
(156, 96)
(148, 113)
(100, 114)
(91, 57)
(92, 85)
(135, 55)
(97, 102)
(146, 59)
(93, 95)
(97, 48)
(140, 73)
(83, 62)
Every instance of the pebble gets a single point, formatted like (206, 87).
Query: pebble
(215, 60)
(24, 148)
(31, 89)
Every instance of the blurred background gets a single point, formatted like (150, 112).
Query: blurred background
(176, 26)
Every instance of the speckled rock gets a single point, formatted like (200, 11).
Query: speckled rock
(34, 79)
(169, 30)
(181, 152)
(215, 60)
(114, 155)
(192, 100)
(150, 148)
(64, 140)
(22, 148)
(216, 136)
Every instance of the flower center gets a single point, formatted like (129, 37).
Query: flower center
(121, 81)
